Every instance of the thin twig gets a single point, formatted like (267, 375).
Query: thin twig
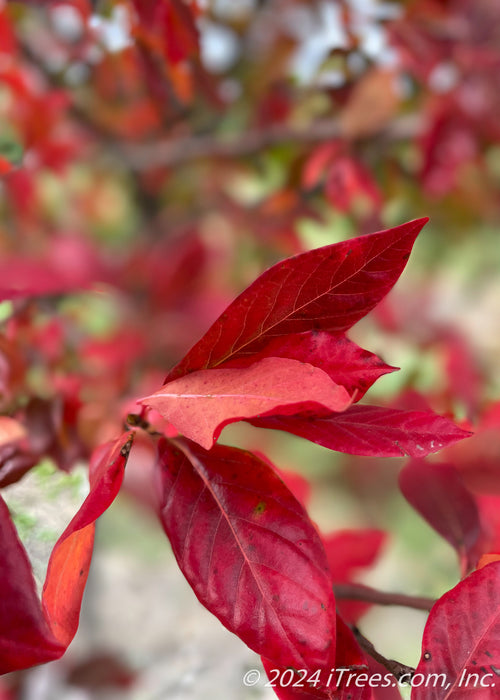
(397, 669)
(357, 591)
(176, 151)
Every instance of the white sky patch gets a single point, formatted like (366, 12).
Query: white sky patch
(319, 33)
(233, 9)
(67, 22)
(114, 33)
(444, 77)
(219, 46)
(366, 24)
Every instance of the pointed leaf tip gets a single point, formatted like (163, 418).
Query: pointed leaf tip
(328, 288)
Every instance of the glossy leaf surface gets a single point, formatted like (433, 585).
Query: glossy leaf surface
(372, 431)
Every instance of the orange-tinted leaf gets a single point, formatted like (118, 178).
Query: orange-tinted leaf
(200, 404)
(10, 430)
(70, 560)
(487, 559)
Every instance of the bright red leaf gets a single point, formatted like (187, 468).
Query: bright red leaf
(249, 551)
(372, 431)
(200, 404)
(438, 493)
(462, 641)
(328, 289)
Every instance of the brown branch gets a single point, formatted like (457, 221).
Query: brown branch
(357, 591)
(397, 669)
(176, 151)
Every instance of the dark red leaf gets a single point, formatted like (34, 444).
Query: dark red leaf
(340, 680)
(328, 288)
(15, 462)
(461, 641)
(438, 493)
(372, 431)
(201, 404)
(249, 551)
(100, 671)
(298, 485)
(344, 361)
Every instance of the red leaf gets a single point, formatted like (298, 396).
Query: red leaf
(438, 493)
(339, 680)
(350, 550)
(462, 641)
(354, 683)
(344, 361)
(249, 551)
(33, 633)
(317, 163)
(70, 265)
(385, 688)
(201, 404)
(372, 431)
(296, 483)
(328, 288)
(348, 181)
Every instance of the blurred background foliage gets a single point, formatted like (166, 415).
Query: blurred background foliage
(155, 158)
